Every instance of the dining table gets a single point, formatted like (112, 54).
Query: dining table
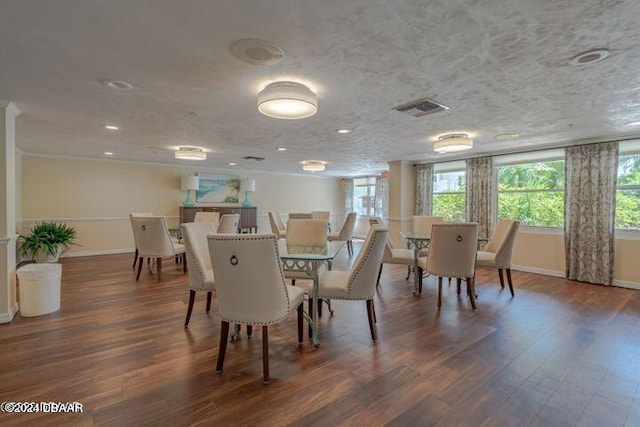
(420, 241)
(308, 259)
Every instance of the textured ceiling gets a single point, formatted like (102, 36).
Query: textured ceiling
(502, 66)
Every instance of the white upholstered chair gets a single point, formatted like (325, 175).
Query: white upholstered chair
(153, 241)
(360, 282)
(251, 288)
(300, 216)
(324, 216)
(201, 278)
(452, 253)
(278, 218)
(275, 226)
(393, 255)
(346, 232)
(499, 250)
(421, 224)
(228, 224)
(212, 217)
(132, 215)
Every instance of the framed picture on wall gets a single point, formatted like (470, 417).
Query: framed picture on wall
(218, 188)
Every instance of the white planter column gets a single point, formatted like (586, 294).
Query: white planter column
(8, 304)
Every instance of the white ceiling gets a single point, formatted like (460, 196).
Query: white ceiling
(502, 66)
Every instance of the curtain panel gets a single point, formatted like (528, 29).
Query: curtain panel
(424, 190)
(347, 185)
(479, 193)
(589, 211)
(382, 198)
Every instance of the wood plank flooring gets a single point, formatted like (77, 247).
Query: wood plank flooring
(560, 353)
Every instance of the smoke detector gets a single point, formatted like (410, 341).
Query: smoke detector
(257, 52)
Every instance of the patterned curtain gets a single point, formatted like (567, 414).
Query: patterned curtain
(479, 193)
(348, 195)
(382, 197)
(424, 190)
(589, 211)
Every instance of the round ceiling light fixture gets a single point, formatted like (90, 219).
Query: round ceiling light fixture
(190, 153)
(508, 136)
(313, 165)
(589, 57)
(453, 142)
(287, 100)
(257, 52)
(116, 84)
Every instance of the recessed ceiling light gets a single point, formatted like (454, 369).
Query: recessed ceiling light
(633, 123)
(117, 84)
(507, 136)
(232, 164)
(343, 131)
(589, 57)
(281, 149)
(111, 127)
(313, 165)
(108, 153)
(190, 153)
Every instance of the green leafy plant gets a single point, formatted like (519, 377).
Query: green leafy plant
(47, 239)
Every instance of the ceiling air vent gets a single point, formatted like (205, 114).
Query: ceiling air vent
(256, 158)
(421, 107)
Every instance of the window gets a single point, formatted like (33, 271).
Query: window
(449, 195)
(628, 192)
(364, 196)
(532, 193)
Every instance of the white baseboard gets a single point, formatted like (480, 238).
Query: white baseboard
(625, 284)
(536, 270)
(8, 317)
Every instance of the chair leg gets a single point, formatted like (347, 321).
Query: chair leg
(379, 274)
(140, 262)
(265, 354)
(184, 262)
(224, 336)
(311, 317)
(249, 330)
(371, 321)
(501, 278)
(471, 291)
(319, 307)
(300, 325)
(350, 247)
(208, 301)
(192, 298)
(293, 282)
(439, 292)
(510, 282)
(373, 306)
(159, 262)
(420, 272)
(458, 283)
(135, 259)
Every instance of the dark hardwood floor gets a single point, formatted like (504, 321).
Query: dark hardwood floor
(559, 353)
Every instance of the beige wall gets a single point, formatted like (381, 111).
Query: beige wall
(96, 196)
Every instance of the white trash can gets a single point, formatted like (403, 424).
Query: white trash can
(39, 286)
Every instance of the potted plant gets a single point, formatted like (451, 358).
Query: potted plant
(47, 241)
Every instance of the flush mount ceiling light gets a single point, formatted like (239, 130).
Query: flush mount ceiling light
(507, 136)
(190, 153)
(117, 84)
(313, 165)
(343, 131)
(287, 100)
(589, 57)
(453, 142)
(111, 127)
(633, 123)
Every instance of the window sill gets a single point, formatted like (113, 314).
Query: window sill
(558, 231)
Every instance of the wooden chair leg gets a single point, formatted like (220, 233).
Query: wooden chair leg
(370, 317)
(224, 336)
(379, 274)
(350, 247)
(140, 262)
(249, 330)
(373, 306)
(311, 316)
(471, 291)
(408, 272)
(135, 259)
(208, 301)
(293, 282)
(439, 292)
(319, 307)
(159, 262)
(510, 282)
(501, 278)
(458, 283)
(192, 298)
(184, 262)
(300, 325)
(265, 354)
